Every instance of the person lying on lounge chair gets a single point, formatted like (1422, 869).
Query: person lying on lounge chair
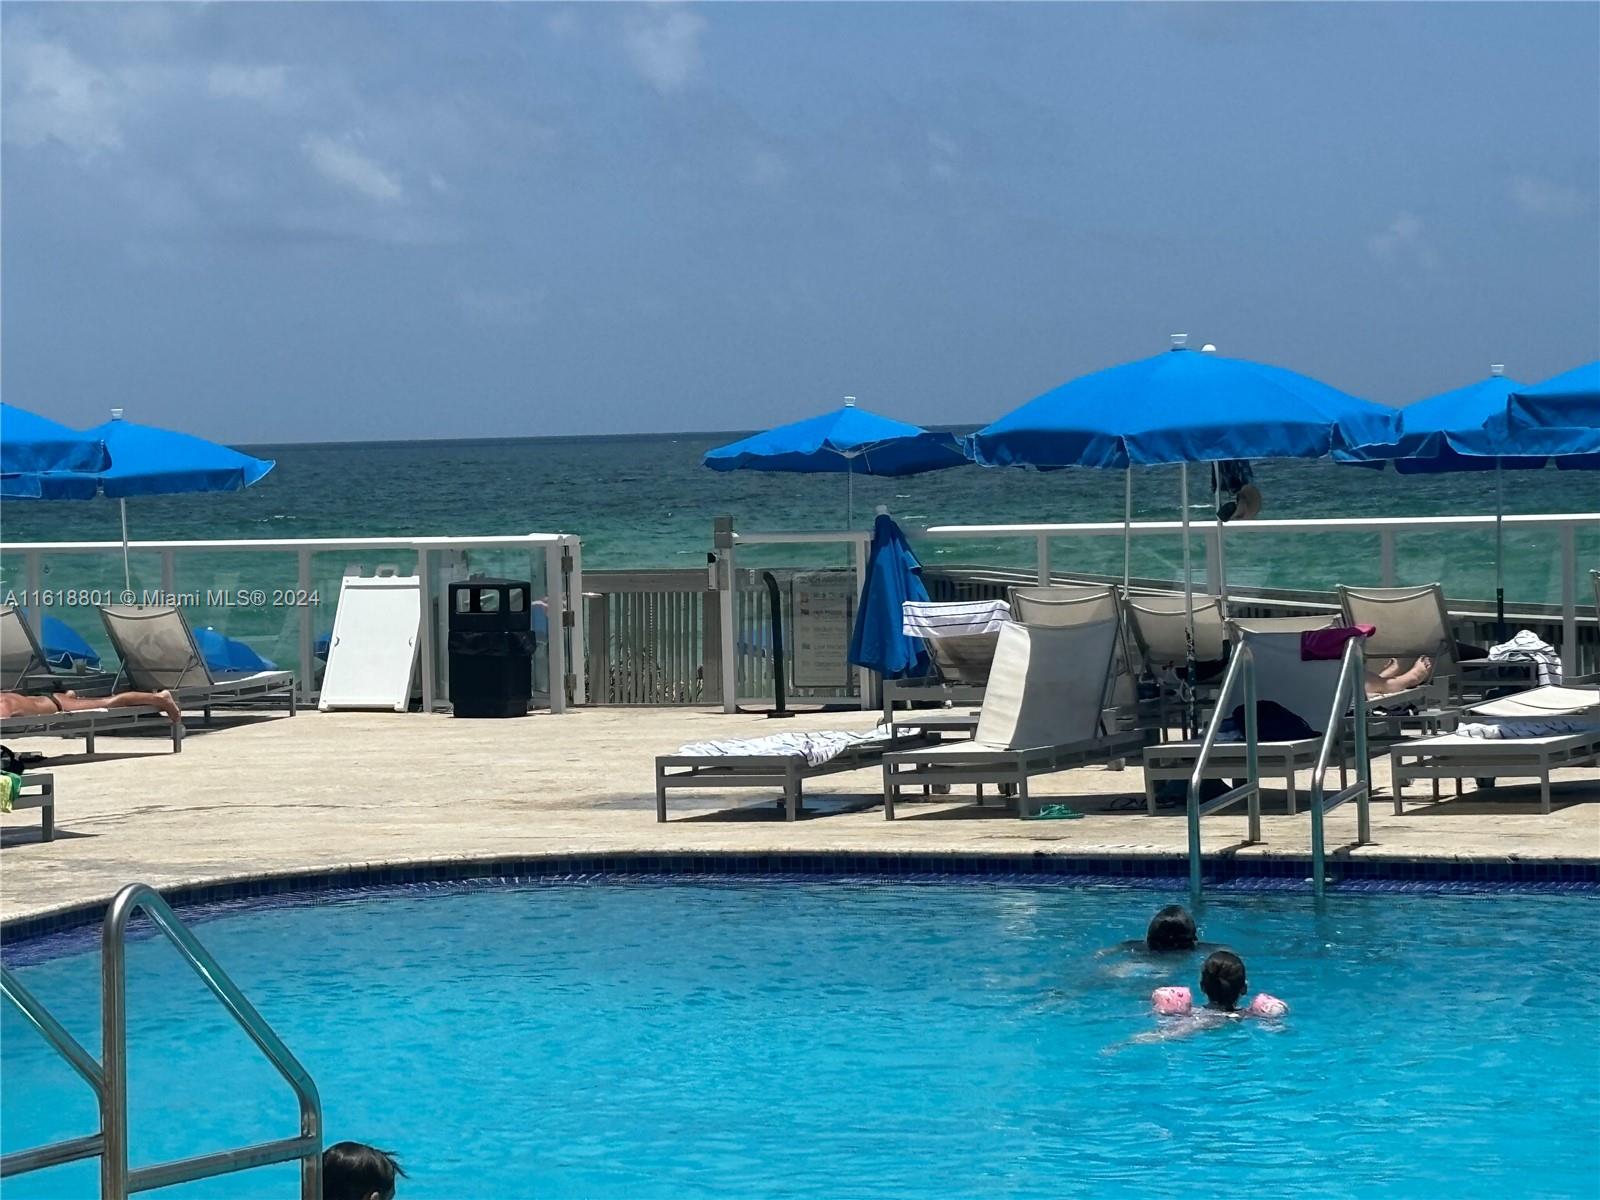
(14, 704)
(1389, 678)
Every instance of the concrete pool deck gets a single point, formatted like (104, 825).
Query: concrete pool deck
(324, 792)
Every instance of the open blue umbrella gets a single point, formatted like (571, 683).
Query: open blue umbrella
(845, 441)
(30, 443)
(1563, 413)
(223, 653)
(63, 645)
(150, 461)
(894, 576)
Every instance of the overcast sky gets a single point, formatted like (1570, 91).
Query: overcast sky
(319, 222)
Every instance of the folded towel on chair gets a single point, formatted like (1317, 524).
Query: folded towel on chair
(959, 618)
(815, 748)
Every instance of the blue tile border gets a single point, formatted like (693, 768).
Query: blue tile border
(38, 937)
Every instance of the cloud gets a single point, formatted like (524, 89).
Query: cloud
(1403, 242)
(233, 80)
(663, 43)
(54, 96)
(346, 166)
(1540, 197)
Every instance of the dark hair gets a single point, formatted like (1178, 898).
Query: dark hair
(353, 1171)
(1222, 978)
(1171, 929)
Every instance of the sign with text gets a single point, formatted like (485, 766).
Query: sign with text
(823, 604)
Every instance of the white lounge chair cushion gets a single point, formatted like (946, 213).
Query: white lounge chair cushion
(1540, 702)
(1046, 685)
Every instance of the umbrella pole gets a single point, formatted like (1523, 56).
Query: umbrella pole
(1499, 555)
(850, 493)
(1127, 527)
(127, 575)
(1222, 557)
(1188, 603)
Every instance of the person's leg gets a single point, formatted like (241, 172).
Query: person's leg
(1419, 674)
(72, 702)
(1389, 669)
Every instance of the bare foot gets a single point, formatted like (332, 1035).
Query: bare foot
(1389, 669)
(170, 707)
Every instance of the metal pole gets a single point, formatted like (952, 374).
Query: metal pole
(727, 583)
(1188, 600)
(850, 493)
(1127, 527)
(127, 575)
(1499, 553)
(1222, 557)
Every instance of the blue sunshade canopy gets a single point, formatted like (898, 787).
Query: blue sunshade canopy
(31, 443)
(1563, 412)
(226, 654)
(894, 576)
(63, 646)
(1181, 406)
(149, 461)
(847, 439)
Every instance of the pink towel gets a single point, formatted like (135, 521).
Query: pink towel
(1321, 644)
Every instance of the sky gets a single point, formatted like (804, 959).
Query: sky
(315, 222)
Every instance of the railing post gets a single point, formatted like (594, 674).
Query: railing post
(863, 675)
(430, 625)
(556, 617)
(308, 670)
(727, 582)
(113, 1055)
(1363, 764)
(169, 572)
(1041, 551)
(578, 652)
(1386, 556)
(1252, 756)
(1213, 536)
(1569, 599)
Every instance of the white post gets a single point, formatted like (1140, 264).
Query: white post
(726, 580)
(1041, 549)
(1386, 556)
(849, 492)
(169, 572)
(430, 619)
(1127, 528)
(1499, 553)
(127, 575)
(555, 616)
(308, 670)
(1569, 599)
(1188, 573)
(863, 675)
(580, 655)
(1219, 574)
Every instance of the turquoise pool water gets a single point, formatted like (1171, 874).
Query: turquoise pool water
(857, 1039)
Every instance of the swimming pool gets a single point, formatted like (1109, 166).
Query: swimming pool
(847, 1038)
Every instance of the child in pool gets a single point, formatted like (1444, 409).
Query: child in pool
(1172, 931)
(1222, 979)
(355, 1171)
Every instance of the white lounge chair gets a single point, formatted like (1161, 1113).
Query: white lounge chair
(87, 723)
(1458, 757)
(1078, 604)
(960, 637)
(158, 653)
(1159, 623)
(1306, 689)
(1043, 712)
(24, 667)
(1413, 622)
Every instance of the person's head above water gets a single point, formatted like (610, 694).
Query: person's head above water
(1171, 929)
(1222, 979)
(354, 1171)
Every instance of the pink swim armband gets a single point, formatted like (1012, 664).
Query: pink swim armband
(1172, 1001)
(1263, 1005)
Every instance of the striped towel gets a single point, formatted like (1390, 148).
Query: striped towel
(815, 748)
(1527, 646)
(960, 618)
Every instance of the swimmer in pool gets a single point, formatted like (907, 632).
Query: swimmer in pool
(1172, 931)
(1223, 982)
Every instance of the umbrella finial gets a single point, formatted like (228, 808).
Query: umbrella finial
(116, 414)
(849, 401)
(1497, 369)
(1208, 348)
(1180, 340)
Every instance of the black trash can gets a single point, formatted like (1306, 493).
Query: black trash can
(491, 647)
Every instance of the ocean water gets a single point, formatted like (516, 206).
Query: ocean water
(858, 1039)
(647, 502)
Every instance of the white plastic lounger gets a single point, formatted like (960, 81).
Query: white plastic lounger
(372, 653)
(158, 653)
(1043, 713)
(87, 723)
(1306, 689)
(1458, 757)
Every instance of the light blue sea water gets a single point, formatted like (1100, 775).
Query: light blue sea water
(647, 502)
(854, 1039)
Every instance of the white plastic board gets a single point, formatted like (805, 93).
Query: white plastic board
(373, 651)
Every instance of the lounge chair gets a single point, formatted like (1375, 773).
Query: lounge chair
(1306, 689)
(158, 653)
(24, 666)
(1078, 604)
(1043, 713)
(961, 658)
(38, 790)
(1412, 622)
(87, 723)
(1160, 630)
(1456, 756)
(730, 765)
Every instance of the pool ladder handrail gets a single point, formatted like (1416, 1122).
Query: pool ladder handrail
(1351, 694)
(109, 1079)
(1241, 674)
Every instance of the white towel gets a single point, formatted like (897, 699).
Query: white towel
(959, 618)
(815, 748)
(1527, 646)
(1542, 727)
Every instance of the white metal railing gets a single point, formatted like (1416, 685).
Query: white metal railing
(108, 1079)
(560, 556)
(1350, 694)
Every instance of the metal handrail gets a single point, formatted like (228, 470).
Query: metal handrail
(80, 1060)
(1352, 690)
(109, 1077)
(116, 1179)
(1241, 669)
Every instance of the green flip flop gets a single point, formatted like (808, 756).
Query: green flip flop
(1056, 812)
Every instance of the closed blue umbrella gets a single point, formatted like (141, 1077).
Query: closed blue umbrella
(30, 443)
(1562, 413)
(845, 441)
(894, 576)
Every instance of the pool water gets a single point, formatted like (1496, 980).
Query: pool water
(857, 1039)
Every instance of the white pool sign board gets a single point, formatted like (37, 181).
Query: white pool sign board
(823, 608)
(372, 654)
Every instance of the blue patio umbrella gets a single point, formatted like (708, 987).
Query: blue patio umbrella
(1562, 413)
(223, 653)
(893, 576)
(150, 461)
(846, 441)
(1467, 429)
(30, 443)
(63, 645)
